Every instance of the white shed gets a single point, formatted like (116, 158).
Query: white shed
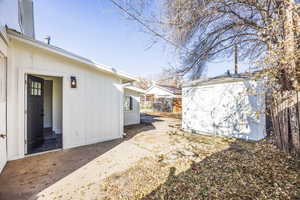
(132, 105)
(225, 106)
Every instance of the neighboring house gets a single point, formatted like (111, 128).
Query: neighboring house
(229, 106)
(51, 98)
(132, 105)
(162, 98)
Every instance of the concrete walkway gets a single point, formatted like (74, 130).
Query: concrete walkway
(69, 174)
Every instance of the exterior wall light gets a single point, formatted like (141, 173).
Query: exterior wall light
(73, 82)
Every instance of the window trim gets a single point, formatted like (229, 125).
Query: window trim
(131, 107)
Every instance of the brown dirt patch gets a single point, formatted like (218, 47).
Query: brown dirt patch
(166, 114)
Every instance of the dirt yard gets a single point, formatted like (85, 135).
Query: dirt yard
(165, 114)
(156, 161)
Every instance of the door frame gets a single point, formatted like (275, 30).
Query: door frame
(22, 115)
(26, 107)
(2, 56)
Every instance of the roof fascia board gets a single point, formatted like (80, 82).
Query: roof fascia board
(162, 88)
(166, 89)
(215, 81)
(3, 35)
(140, 91)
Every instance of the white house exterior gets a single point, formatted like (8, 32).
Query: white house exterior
(85, 104)
(162, 98)
(160, 92)
(3, 98)
(225, 106)
(132, 114)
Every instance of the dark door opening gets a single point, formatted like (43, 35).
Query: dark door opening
(40, 134)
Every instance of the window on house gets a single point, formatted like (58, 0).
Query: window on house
(35, 88)
(128, 103)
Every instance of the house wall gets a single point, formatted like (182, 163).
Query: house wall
(232, 109)
(3, 153)
(92, 112)
(3, 120)
(159, 92)
(133, 116)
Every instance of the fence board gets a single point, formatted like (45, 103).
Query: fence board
(285, 119)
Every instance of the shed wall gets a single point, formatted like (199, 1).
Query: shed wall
(231, 109)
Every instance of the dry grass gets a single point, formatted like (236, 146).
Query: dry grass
(203, 167)
(165, 114)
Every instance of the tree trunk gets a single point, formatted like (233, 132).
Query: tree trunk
(289, 44)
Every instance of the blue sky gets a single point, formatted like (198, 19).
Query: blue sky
(96, 29)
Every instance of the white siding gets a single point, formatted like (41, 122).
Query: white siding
(157, 91)
(133, 116)
(91, 112)
(3, 153)
(225, 109)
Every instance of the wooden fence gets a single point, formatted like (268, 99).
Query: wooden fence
(286, 121)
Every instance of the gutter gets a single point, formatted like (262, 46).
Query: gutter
(4, 36)
(128, 86)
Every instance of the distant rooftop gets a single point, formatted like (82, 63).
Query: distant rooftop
(175, 90)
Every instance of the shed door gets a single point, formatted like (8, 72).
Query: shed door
(35, 112)
(3, 138)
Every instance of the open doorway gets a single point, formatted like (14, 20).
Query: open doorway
(44, 113)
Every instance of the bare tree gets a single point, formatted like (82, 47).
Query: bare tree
(264, 30)
(213, 28)
(142, 83)
(207, 29)
(169, 76)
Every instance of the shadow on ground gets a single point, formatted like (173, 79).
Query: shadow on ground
(24, 178)
(148, 118)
